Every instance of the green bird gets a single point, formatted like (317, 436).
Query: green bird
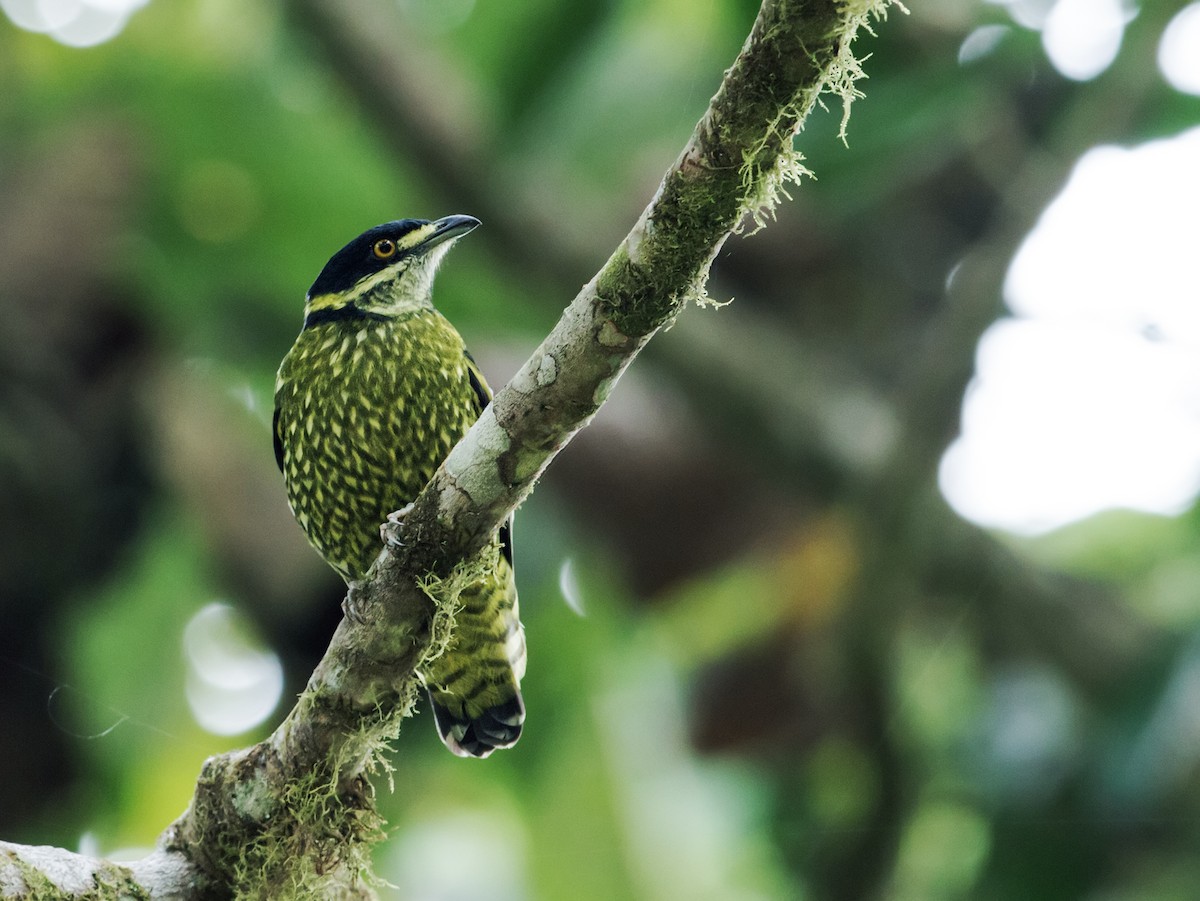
(368, 402)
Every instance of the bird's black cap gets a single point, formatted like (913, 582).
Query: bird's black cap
(408, 237)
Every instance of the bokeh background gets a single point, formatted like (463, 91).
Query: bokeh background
(882, 581)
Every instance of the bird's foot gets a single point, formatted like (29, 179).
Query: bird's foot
(352, 603)
(390, 530)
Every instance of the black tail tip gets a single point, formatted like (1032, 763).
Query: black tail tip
(496, 727)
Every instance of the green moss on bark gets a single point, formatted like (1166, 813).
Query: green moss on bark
(740, 158)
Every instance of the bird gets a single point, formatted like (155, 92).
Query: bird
(370, 399)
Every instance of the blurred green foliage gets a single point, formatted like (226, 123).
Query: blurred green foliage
(795, 675)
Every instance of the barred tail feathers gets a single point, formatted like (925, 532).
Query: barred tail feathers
(496, 727)
(475, 687)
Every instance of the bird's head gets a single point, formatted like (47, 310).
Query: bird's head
(387, 270)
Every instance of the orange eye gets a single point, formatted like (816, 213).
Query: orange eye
(385, 249)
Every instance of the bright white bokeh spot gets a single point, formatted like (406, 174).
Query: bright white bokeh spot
(58, 13)
(461, 855)
(568, 585)
(1179, 50)
(232, 684)
(124, 7)
(1119, 244)
(686, 821)
(91, 27)
(1027, 13)
(1082, 37)
(24, 14)
(980, 42)
(1091, 401)
(76, 23)
(1064, 421)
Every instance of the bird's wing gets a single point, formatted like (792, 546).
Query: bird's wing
(483, 394)
(277, 438)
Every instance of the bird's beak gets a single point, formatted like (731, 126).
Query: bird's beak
(446, 229)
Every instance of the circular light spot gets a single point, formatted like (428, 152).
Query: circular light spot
(1091, 400)
(1179, 50)
(59, 13)
(232, 683)
(218, 201)
(76, 23)
(568, 586)
(25, 14)
(122, 7)
(980, 42)
(460, 854)
(1082, 37)
(1029, 14)
(942, 851)
(91, 27)
(1063, 421)
(1117, 245)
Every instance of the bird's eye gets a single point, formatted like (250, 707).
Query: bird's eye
(385, 249)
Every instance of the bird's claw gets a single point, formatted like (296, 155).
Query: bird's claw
(390, 530)
(351, 604)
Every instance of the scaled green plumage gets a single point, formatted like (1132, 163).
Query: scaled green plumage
(370, 399)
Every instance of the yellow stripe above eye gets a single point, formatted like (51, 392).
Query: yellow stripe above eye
(415, 237)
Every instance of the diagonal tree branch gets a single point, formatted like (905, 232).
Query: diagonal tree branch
(294, 814)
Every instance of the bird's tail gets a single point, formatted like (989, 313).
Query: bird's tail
(475, 686)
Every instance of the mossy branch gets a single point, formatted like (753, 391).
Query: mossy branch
(739, 158)
(294, 815)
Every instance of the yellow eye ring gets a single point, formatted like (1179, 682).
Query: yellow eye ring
(384, 249)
